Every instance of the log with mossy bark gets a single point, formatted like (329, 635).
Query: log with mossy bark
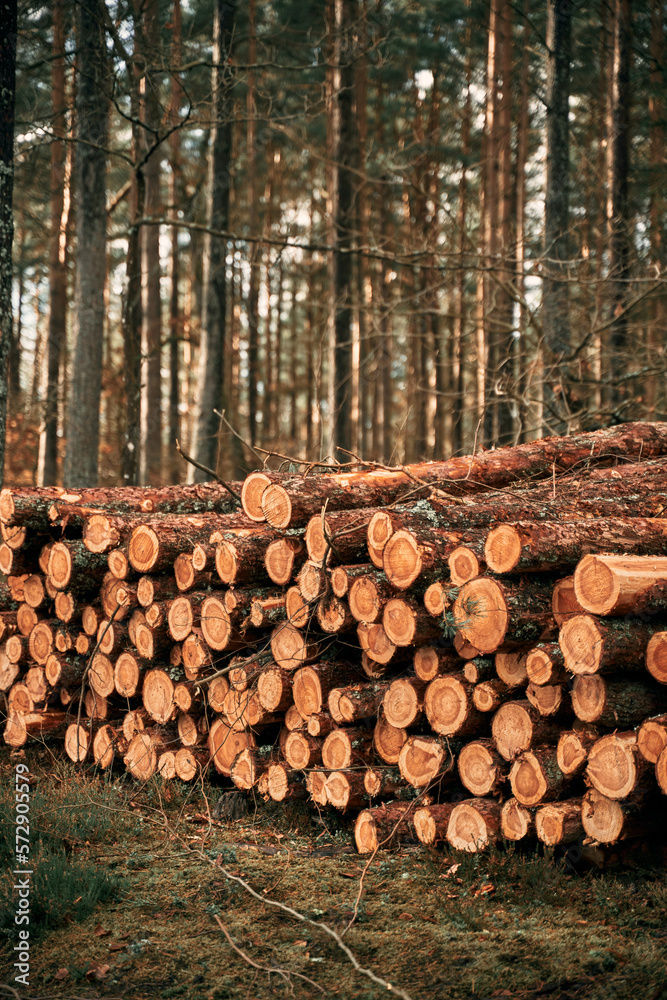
(615, 701)
(492, 614)
(592, 645)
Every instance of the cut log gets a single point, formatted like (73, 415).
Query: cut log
(382, 781)
(187, 577)
(114, 596)
(368, 595)
(346, 541)
(286, 785)
(493, 613)
(573, 748)
(376, 643)
(607, 585)
(249, 765)
(41, 641)
(188, 731)
(72, 567)
(8, 671)
(26, 619)
(157, 695)
(511, 668)
(150, 642)
(34, 592)
(481, 768)
(243, 710)
(154, 546)
(345, 790)
(312, 582)
(302, 751)
(274, 688)
(535, 777)
(550, 699)
(655, 657)
(616, 768)
(95, 705)
(65, 606)
(488, 696)
(661, 772)
(432, 661)
(111, 637)
(251, 494)
(342, 577)
(545, 664)
(437, 598)
(293, 719)
(166, 765)
(239, 558)
(190, 762)
(316, 785)
(290, 648)
(20, 728)
(20, 700)
(481, 669)
(311, 685)
(408, 555)
(246, 670)
(101, 675)
(83, 644)
(127, 673)
(186, 612)
(141, 758)
(517, 726)
(425, 759)
(559, 823)
(90, 619)
(592, 646)
(356, 702)
(321, 724)
(465, 563)
(408, 624)
(8, 623)
(203, 557)
(557, 545)
(652, 738)
(384, 827)
(607, 820)
(195, 654)
(135, 721)
(431, 822)
(215, 623)
(388, 740)
(448, 703)
(225, 743)
(107, 742)
(564, 603)
(404, 701)
(474, 824)
(188, 697)
(78, 741)
(465, 649)
(119, 564)
(615, 701)
(16, 650)
(216, 692)
(333, 615)
(151, 589)
(268, 611)
(283, 559)
(516, 821)
(344, 748)
(297, 610)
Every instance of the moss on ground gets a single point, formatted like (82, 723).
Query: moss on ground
(510, 923)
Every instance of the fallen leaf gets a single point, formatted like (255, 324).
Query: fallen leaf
(348, 874)
(300, 944)
(117, 946)
(405, 916)
(97, 971)
(61, 974)
(100, 931)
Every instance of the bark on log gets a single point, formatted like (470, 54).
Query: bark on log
(517, 726)
(431, 822)
(594, 646)
(432, 661)
(473, 825)
(494, 613)
(408, 555)
(356, 701)
(155, 544)
(346, 543)
(20, 728)
(655, 657)
(72, 567)
(404, 701)
(302, 751)
(559, 823)
(516, 821)
(615, 701)
(284, 784)
(311, 684)
(481, 768)
(239, 558)
(268, 611)
(345, 790)
(408, 624)
(334, 615)
(384, 827)
(611, 585)
(245, 671)
(545, 664)
(535, 777)
(448, 703)
(345, 748)
(607, 820)
(616, 768)
(564, 603)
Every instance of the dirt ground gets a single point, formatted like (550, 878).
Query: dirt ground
(129, 880)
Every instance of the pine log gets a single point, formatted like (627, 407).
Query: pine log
(432, 661)
(344, 748)
(346, 542)
(65, 606)
(41, 641)
(404, 701)
(316, 785)
(119, 564)
(188, 697)
(8, 624)
(128, 673)
(388, 740)
(661, 772)
(239, 558)
(284, 784)
(545, 664)
(384, 827)
(290, 648)
(368, 595)
(616, 768)
(189, 762)
(157, 695)
(592, 646)
(19, 700)
(34, 591)
(423, 759)
(302, 751)
(298, 611)
(573, 748)
(611, 585)
(79, 741)
(151, 589)
(189, 732)
(135, 721)
(652, 738)
(274, 688)
(607, 820)
(409, 555)
(225, 743)
(488, 696)
(249, 765)
(72, 567)
(375, 642)
(116, 597)
(341, 578)
(215, 623)
(655, 657)
(155, 544)
(311, 684)
(382, 781)
(107, 742)
(321, 724)
(189, 611)
(535, 777)
(481, 768)
(203, 557)
(150, 642)
(517, 727)
(431, 822)
(511, 668)
(516, 821)
(16, 587)
(187, 577)
(268, 611)
(615, 701)
(529, 546)
(243, 710)
(334, 615)
(91, 617)
(312, 582)
(466, 562)
(494, 613)
(143, 752)
(83, 644)
(482, 668)
(251, 493)
(19, 728)
(8, 671)
(244, 671)
(550, 700)
(15, 538)
(293, 719)
(564, 603)
(216, 692)
(559, 822)
(196, 654)
(111, 637)
(16, 650)
(408, 624)
(448, 703)
(96, 706)
(283, 559)
(474, 824)
(345, 790)
(437, 598)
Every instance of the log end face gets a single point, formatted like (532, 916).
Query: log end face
(251, 495)
(60, 565)
(398, 621)
(401, 559)
(467, 830)
(464, 565)
(595, 586)
(316, 543)
(226, 562)
(6, 506)
(656, 657)
(589, 696)
(143, 548)
(602, 818)
(277, 506)
(581, 644)
(481, 614)
(516, 821)
(502, 549)
(446, 705)
(363, 600)
(527, 780)
(380, 530)
(365, 833)
(611, 767)
(99, 535)
(215, 623)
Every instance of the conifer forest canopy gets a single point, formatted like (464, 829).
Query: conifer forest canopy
(404, 229)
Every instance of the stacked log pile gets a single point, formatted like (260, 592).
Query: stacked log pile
(457, 651)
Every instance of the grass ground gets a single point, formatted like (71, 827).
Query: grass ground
(128, 882)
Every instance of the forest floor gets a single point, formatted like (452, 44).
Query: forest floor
(128, 881)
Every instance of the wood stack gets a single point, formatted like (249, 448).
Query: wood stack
(461, 650)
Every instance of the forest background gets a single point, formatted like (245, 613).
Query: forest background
(399, 228)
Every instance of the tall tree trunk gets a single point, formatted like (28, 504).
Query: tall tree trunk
(346, 155)
(252, 307)
(81, 459)
(620, 248)
(48, 444)
(490, 230)
(656, 106)
(152, 306)
(8, 25)
(212, 346)
(175, 318)
(555, 298)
